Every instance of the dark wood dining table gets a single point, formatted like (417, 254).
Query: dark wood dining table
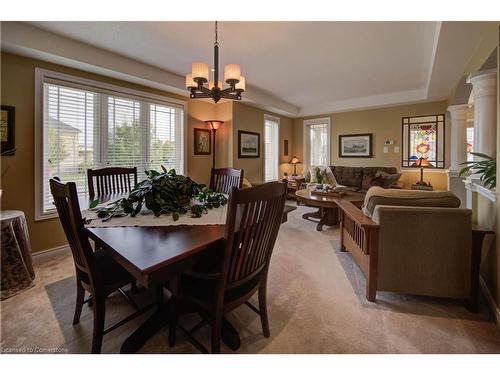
(155, 255)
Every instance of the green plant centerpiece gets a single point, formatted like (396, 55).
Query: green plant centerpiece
(487, 169)
(163, 193)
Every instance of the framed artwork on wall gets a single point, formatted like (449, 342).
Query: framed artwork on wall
(248, 144)
(7, 129)
(356, 146)
(202, 142)
(285, 147)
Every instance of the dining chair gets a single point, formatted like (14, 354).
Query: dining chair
(222, 180)
(111, 180)
(253, 220)
(96, 272)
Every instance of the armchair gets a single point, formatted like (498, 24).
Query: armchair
(421, 244)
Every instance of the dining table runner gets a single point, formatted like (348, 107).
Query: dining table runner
(147, 219)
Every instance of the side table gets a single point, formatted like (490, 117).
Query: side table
(16, 263)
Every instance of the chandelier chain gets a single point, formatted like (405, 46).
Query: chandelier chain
(216, 42)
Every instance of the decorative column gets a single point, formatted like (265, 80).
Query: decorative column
(458, 117)
(484, 90)
(458, 136)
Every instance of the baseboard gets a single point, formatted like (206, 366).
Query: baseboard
(491, 302)
(43, 255)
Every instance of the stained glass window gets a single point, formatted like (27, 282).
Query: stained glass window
(423, 138)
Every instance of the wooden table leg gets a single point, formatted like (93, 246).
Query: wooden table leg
(230, 336)
(478, 236)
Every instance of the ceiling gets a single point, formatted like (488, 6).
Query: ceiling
(313, 67)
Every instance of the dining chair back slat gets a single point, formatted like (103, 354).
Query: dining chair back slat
(110, 181)
(66, 202)
(222, 180)
(254, 218)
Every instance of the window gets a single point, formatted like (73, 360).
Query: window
(84, 124)
(423, 137)
(470, 143)
(271, 148)
(317, 142)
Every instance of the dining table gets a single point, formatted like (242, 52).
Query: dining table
(156, 250)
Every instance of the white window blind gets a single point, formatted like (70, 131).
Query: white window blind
(317, 142)
(91, 128)
(271, 148)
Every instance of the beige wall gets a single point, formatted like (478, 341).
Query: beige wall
(17, 172)
(246, 117)
(385, 124)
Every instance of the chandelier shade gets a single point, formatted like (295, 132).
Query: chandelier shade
(199, 71)
(201, 86)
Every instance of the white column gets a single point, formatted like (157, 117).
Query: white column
(458, 136)
(484, 90)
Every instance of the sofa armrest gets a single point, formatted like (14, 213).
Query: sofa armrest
(356, 214)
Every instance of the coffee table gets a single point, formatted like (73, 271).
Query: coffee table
(328, 210)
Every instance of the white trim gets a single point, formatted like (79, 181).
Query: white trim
(491, 302)
(313, 121)
(475, 187)
(44, 75)
(277, 120)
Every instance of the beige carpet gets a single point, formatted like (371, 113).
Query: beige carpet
(316, 305)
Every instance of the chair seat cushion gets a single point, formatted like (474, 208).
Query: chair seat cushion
(397, 197)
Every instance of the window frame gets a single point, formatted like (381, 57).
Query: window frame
(277, 120)
(43, 76)
(305, 139)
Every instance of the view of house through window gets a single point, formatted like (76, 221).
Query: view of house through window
(84, 129)
(271, 148)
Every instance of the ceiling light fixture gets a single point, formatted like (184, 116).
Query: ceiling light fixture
(200, 87)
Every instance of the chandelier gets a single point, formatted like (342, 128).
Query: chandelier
(200, 87)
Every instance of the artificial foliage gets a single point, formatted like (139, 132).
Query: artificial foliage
(164, 193)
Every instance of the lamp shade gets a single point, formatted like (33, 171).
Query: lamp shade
(295, 160)
(240, 86)
(422, 162)
(214, 124)
(232, 72)
(190, 83)
(199, 70)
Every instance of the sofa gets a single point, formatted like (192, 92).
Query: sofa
(412, 242)
(353, 176)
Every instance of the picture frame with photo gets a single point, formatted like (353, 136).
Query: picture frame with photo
(356, 145)
(7, 130)
(248, 144)
(202, 141)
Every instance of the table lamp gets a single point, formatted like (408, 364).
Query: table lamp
(295, 160)
(422, 163)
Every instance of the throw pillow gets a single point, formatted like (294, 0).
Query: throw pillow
(369, 181)
(387, 179)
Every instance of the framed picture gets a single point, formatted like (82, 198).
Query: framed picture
(248, 144)
(7, 130)
(285, 147)
(355, 146)
(202, 142)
